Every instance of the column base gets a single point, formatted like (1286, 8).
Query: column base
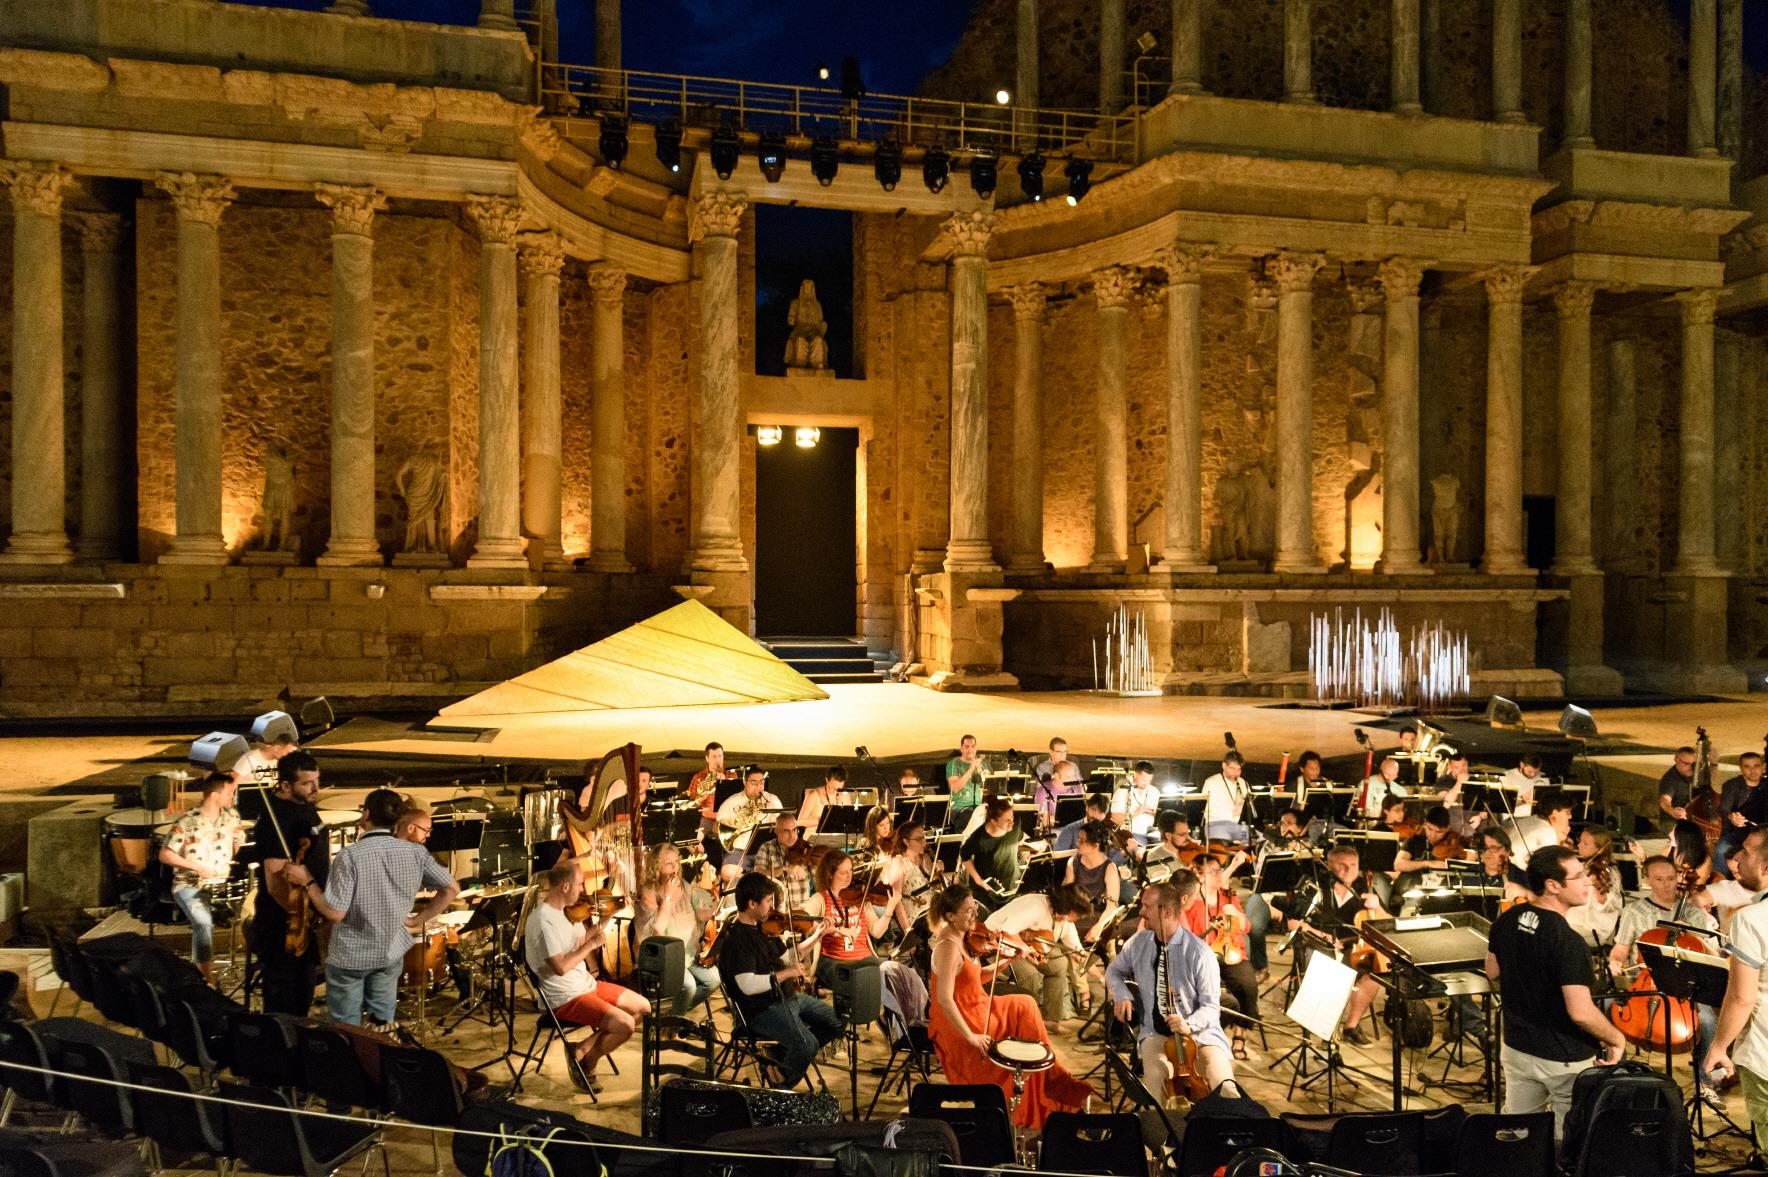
(1409, 108)
(420, 560)
(1183, 567)
(963, 680)
(926, 561)
(98, 551)
(1309, 99)
(1187, 88)
(1506, 566)
(1026, 566)
(608, 562)
(1383, 568)
(38, 548)
(1575, 568)
(196, 549)
(260, 558)
(1593, 680)
(1299, 567)
(970, 555)
(1107, 567)
(498, 554)
(1706, 567)
(357, 553)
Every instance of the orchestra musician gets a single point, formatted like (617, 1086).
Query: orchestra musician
(1556, 810)
(1224, 798)
(1310, 775)
(260, 761)
(1688, 850)
(199, 848)
(1676, 786)
(414, 825)
(1741, 1042)
(1347, 897)
(287, 982)
(908, 784)
(1382, 784)
(850, 920)
(1291, 832)
(966, 1019)
(909, 873)
(1228, 937)
(1525, 779)
(876, 838)
(1097, 807)
(963, 781)
(990, 855)
(741, 813)
(1057, 776)
(1596, 920)
(704, 785)
(558, 951)
(667, 906)
(1452, 782)
(1098, 878)
(1496, 868)
(764, 985)
(786, 860)
(1435, 844)
(1740, 808)
(1177, 986)
(810, 810)
(1047, 974)
(1176, 845)
(1551, 1027)
(1135, 804)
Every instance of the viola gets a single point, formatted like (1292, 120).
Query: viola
(1224, 933)
(982, 941)
(1449, 849)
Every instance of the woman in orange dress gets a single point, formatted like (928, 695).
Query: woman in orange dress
(965, 1021)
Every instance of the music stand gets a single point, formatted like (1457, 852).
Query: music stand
(1376, 849)
(1318, 1008)
(929, 811)
(455, 833)
(1699, 977)
(946, 848)
(1070, 809)
(847, 820)
(1026, 816)
(678, 824)
(1044, 873)
(1279, 873)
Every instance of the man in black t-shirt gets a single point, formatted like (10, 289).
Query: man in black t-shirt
(1551, 1027)
(1676, 787)
(752, 965)
(287, 981)
(991, 854)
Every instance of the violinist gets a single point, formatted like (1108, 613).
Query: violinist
(287, 981)
(200, 850)
(990, 855)
(1452, 783)
(1496, 867)
(1688, 850)
(1740, 808)
(756, 974)
(558, 951)
(1097, 807)
(786, 860)
(1166, 981)
(1046, 972)
(1551, 1026)
(1176, 846)
(909, 873)
(1668, 901)
(852, 917)
(667, 906)
(1428, 849)
(810, 809)
(1596, 920)
(1228, 938)
(1096, 877)
(877, 839)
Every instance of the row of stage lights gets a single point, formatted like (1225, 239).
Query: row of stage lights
(825, 160)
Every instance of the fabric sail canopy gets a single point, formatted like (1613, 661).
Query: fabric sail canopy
(684, 656)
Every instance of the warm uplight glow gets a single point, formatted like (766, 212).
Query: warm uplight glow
(807, 436)
(1002, 97)
(769, 434)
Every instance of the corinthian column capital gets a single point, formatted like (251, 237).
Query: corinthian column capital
(717, 214)
(499, 218)
(1400, 277)
(541, 256)
(353, 208)
(198, 199)
(1574, 298)
(607, 284)
(1294, 272)
(969, 232)
(100, 232)
(36, 187)
(1114, 286)
(1697, 306)
(1028, 300)
(1505, 284)
(1184, 263)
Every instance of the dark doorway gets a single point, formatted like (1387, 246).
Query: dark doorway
(805, 536)
(1540, 541)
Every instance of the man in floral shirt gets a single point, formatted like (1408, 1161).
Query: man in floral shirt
(200, 850)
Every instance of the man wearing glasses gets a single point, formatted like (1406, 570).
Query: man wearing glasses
(1551, 1027)
(413, 825)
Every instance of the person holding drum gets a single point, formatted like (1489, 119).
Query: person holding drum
(667, 906)
(200, 849)
(985, 1037)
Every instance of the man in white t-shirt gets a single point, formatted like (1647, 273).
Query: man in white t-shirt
(1525, 778)
(1135, 804)
(1743, 1019)
(1224, 798)
(558, 952)
(1379, 787)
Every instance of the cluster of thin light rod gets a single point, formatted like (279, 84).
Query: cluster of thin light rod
(1129, 669)
(1366, 663)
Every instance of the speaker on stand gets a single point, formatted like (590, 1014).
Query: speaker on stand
(858, 988)
(662, 971)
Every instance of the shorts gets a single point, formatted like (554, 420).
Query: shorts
(590, 1008)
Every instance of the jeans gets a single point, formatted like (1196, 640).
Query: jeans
(801, 1026)
(1706, 1020)
(697, 984)
(195, 906)
(348, 990)
(1258, 922)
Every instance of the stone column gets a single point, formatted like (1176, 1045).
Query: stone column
(1694, 532)
(1294, 275)
(1183, 550)
(718, 444)
(1578, 53)
(499, 219)
(1399, 414)
(1025, 74)
(608, 52)
(1620, 454)
(1187, 47)
(607, 460)
(1507, 61)
(1027, 535)
(106, 416)
(1504, 554)
(498, 14)
(1730, 116)
(353, 541)
(967, 549)
(1403, 60)
(1113, 288)
(199, 201)
(1298, 51)
(39, 399)
(1731, 462)
(1430, 54)
(1703, 80)
(1573, 540)
(541, 257)
(1110, 56)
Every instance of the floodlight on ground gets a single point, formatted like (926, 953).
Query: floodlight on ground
(612, 141)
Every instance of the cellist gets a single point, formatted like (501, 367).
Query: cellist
(288, 979)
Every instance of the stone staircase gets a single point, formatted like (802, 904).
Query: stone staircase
(827, 660)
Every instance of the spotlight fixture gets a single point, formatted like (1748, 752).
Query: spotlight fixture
(887, 164)
(822, 71)
(669, 144)
(1003, 96)
(806, 436)
(936, 168)
(725, 150)
(1031, 175)
(613, 141)
(768, 434)
(825, 159)
(982, 174)
(1080, 177)
(770, 153)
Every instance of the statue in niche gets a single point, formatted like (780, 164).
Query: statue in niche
(1445, 518)
(1362, 427)
(806, 346)
(277, 508)
(1233, 532)
(421, 482)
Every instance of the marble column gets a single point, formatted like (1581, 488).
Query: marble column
(499, 220)
(608, 53)
(1183, 549)
(1620, 454)
(107, 521)
(1578, 63)
(541, 257)
(1187, 47)
(1026, 554)
(967, 549)
(1113, 288)
(1399, 415)
(199, 202)
(1025, 73)
(1298, 51)
(1573, 533)
(1403, 59)
(607, 459)
(1507, 61)
(498, 14)
(353, 541)
(1695, 549)
(1731, 462)
(1430, 54)
(1504, 552)
(39, 398)
(1294, 275)
(1730, 116)
(1111, 56)
(1703, 78)
(718, 443)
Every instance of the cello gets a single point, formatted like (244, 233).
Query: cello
(1649, 1019)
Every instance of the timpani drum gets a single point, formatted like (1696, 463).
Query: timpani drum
(1021, 1055)
(130, 833)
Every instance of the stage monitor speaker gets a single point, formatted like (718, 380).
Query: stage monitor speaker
(663, 962)
(317, 716)
(275, 727)
(219, 751)
(1575, 723)
(859, 991)
(156, 791)
(1501, 712)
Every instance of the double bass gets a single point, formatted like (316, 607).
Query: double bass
(1703, 799)
(1649, 1019)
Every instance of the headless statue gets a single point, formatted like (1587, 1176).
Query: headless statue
(421, 483)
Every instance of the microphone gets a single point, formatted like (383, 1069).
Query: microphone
(1228, 739)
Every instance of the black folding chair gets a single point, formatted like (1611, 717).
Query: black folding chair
(72, 969)
(174, 1121)
(1378, 1144)
(419, 1086)
(1496, 1145)
(977, 1114)
(101, 1103)
(263, 1050)
(1212, 1141)
(266, 1134)
(549, 1024)
(693, 1114)
(27, 1077)
(333, 1071)
(913, 1046)
(186, 1037)
(1636, 1142)
(1109, 1144)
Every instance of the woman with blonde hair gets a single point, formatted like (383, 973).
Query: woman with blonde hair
(667, 906)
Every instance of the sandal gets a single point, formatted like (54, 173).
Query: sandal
(1240, 1049)
(584, 1081)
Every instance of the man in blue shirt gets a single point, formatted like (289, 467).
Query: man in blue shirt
(1165, 981)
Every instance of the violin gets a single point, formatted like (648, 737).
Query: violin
(1187, 1081)
(1449, 849)
(601, 906)
(1650, 1020)
(300, 909)
(876, 894)
(781, 926)
(983, 941)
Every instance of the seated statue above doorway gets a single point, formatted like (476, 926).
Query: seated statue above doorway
(806, 347)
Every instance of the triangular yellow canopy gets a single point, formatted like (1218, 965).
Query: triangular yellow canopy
(683, 657)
